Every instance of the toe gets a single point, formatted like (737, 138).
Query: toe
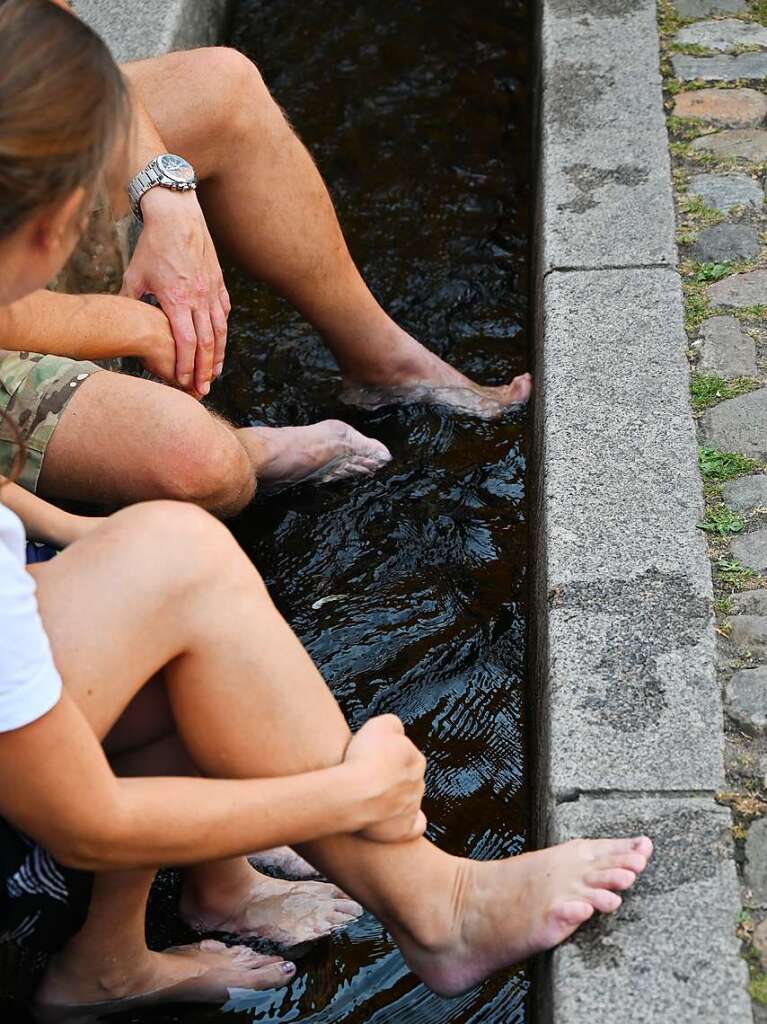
(348, 907)
(613, 878)
(572, 913)
(635, 862)
(604, 901)
(275, 975)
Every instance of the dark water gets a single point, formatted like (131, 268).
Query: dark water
(417, 114)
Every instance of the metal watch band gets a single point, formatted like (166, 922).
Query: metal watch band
(149, 178)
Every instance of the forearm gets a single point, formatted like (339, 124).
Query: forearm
(43, 522)
(177, 821)
(79, 326)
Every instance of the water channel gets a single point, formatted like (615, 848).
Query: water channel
(417, 113)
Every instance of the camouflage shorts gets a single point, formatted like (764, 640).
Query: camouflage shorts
(35, 391)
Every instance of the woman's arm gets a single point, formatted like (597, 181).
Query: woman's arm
(56, 785)
(44, 522)
(90, 327)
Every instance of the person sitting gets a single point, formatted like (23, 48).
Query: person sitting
(155, 708)
(113, 438)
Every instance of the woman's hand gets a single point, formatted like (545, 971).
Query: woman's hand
(390, 770)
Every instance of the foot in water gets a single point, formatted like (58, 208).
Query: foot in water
(418, 375)
(72, 991)
(322, 453)
(286, 913)
(506, 911)
(285, 861)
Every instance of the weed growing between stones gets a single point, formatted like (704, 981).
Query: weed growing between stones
(722, 521)
(706, 390)
(733, 574)
(721, 466)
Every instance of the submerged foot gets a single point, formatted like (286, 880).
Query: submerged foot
(286, 913)
(284, 861)
(74, 988)
(321, 453)
(508, 910)
(421, 376)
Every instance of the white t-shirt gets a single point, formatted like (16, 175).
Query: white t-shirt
(30, 685)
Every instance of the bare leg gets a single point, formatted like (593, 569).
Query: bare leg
(123, 439)
(230, 896)
(249, 703)
(265, 200)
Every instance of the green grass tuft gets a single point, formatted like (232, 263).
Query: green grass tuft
(716, 465)
(721, 521)
(707, 390)
(705, 273)
(733, 573)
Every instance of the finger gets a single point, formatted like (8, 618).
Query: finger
(218, 320)
(203, 360)
(182, 325)
(387, 723)
(226, 303)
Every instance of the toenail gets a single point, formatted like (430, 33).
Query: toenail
(288, 967)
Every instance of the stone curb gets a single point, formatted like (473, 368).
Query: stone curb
(135, 29)
(629, 725)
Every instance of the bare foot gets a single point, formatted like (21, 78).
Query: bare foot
(286, 913)
(322, 453)
(421, 376)
(73, 989)
(505, 911)
(284, 861)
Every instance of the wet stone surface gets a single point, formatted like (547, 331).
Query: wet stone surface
(740, 290)
(745, 495)
(746, 700)
(741, 143)
(739, 425)
(723, 35)
(723, 242)
(745, 108)
(725, 191)
(725, 349)
(751, 550)
(720, 69)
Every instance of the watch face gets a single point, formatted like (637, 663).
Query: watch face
(176, 168)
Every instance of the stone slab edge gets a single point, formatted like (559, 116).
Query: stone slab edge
(135, 29)
(627, 731)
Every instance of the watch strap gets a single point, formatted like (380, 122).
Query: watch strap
(150, 177)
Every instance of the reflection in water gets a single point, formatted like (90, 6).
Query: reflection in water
(416, 112)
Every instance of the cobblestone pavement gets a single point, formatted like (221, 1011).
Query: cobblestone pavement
(715, 82)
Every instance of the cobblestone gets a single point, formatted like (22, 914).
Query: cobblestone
(740, 290)
(741, 143)
(723, 242)
(723, 35)
(755, 871)
(739, 425)
(742, 108)
(725, 191)
(745, 495)
(746, 700)
(725, 349)
(720, 69)
(751, 550)
(705, 8)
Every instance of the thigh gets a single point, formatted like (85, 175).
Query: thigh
(190, 94)
(113, 607)
(124, 439)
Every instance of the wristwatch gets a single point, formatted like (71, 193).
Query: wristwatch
(165, 171)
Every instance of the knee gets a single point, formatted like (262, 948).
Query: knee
(200, 460)
(240, 90)
(214, 472)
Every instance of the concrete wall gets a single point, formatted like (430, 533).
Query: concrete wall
(136, 29)
(629, 734)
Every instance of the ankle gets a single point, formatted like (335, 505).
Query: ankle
(434, 925)
(74, 973)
